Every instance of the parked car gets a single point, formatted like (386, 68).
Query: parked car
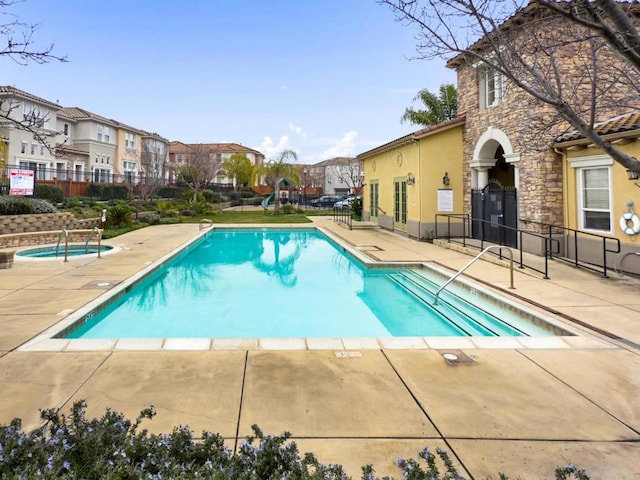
(346, 203)
(326, 201)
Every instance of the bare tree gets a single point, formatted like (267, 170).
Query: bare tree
(348, 171)
(579, 58)
(17, 42)
(198, 168)
(154, 167)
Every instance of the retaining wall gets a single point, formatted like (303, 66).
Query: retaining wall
(43, 222)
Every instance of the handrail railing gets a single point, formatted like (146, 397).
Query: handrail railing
(343, 215)
(550, 244)
(64, 233)
(477, 257)
(207, 221)
(576, 260)
(90, 236)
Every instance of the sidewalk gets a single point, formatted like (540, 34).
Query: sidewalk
(518, 408)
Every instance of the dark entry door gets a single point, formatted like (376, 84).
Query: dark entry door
(495, 215)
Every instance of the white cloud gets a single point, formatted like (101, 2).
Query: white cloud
(299, 130)
(270, 149)
(345, 147)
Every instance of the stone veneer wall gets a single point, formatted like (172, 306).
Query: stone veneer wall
(25, 239)
(10, 224)
(540, 192)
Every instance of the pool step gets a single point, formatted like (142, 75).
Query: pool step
(468, 317)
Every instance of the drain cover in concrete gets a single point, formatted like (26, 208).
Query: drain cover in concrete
(369, 248)
(456, 357)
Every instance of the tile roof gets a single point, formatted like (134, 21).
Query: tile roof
(616, 125)
(76, 113)
(9, 90)
(176, 146)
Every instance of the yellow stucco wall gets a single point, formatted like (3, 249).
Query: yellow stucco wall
(622, 189)
(427, 159)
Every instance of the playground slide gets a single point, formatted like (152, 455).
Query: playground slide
(265, 202)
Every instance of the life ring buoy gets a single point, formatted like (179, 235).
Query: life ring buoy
(635, 223)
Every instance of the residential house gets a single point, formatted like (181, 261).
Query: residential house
(31, 147)
(217, 154)
(96, 136)
(154, 156)
(128, 158)
(340, 175)
(412, 178)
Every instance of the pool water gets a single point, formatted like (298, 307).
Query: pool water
(53, 252)
(287, 283)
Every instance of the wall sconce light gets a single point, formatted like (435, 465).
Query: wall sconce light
(445, 179)
(633, 174)
(411, 180)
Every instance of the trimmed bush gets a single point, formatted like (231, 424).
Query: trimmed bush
(17, 205)
(49, 192)
(109, 191)
(42, 206)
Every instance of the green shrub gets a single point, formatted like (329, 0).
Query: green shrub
(187, 213)
(49, 192)
(356, 208)
(256, 201)
(42, 206)
(120, 215)
(211, 196)
(72, 202)
(287, 209)
(247, 194)
(15, 205)
(108, 191)
(152, 218)
(171, 192)
(18, 205)
(115, 447)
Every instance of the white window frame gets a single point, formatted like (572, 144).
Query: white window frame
(590, 163)
(99, 132)
(488, 74)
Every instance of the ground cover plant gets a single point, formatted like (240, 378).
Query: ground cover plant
(71, 446)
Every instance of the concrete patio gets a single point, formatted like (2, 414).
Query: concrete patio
(522, 407)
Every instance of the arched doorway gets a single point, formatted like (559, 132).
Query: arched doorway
(494, 201)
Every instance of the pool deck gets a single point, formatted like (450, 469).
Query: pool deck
(521, 407)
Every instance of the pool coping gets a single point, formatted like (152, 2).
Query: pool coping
(579, 337)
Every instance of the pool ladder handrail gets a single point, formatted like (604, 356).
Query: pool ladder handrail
(90, 236)
(64, 233)
(477, 257)
(208, 221)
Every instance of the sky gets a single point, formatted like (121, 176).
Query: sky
(325, 78)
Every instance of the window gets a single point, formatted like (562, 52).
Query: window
(23, 147)
(595, 198)
(107, 134)
(129, 140)
(33, 148)
(66, 129)
(34, 116)
(100, 132)
(492, 88)
(101, 175)
(41, 150)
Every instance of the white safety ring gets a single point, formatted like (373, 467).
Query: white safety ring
(634, 229)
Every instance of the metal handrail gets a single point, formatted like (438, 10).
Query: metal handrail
(64, 233)
(207, 221)
(477, 257)
(90, 236)
(343, 215)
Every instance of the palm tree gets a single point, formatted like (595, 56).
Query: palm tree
(439, 108)
(279, 171)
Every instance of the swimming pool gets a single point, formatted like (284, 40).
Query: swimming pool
(265, 283)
